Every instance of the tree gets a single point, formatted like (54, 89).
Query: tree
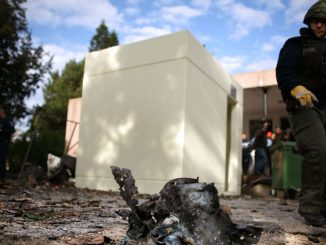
(47, 131)
(21, 65)
(57, 92)
(103, 38)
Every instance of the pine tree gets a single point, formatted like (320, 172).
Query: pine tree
(21, 65)
(103, 38)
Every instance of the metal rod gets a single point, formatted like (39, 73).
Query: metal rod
(265, 102)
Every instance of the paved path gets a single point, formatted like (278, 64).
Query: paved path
(279, 219)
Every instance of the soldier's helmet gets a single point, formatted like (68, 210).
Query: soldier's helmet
(316, 11)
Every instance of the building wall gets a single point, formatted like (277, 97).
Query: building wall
(205, 129)
(254, 83)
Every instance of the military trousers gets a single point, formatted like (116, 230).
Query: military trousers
(309, 129)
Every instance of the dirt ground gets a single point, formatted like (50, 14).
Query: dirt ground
(41, 213)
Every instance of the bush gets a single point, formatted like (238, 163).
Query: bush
(39, 145)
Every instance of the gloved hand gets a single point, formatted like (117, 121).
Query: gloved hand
(304, 96)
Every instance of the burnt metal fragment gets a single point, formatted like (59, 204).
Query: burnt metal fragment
(184, 212)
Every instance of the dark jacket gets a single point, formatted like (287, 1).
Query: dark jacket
(302, 61)
(6, 130)
(260, 139)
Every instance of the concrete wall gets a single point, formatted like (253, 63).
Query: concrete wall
(163, 108)
(254, 106)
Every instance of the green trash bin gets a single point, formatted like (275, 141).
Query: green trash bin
(286, 166)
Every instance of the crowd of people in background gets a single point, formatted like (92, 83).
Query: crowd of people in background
(256, 151)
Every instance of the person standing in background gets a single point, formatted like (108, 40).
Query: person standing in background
(246, 156)
(6, 131)
(261, 149)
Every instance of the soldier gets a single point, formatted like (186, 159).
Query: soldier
(6, 130)
(301, 77)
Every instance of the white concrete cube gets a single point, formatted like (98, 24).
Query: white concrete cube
(163, 108)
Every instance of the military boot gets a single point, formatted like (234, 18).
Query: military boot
(315, 219)
(323, 204)
(323, 209)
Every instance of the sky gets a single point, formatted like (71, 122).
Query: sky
(243, 35)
